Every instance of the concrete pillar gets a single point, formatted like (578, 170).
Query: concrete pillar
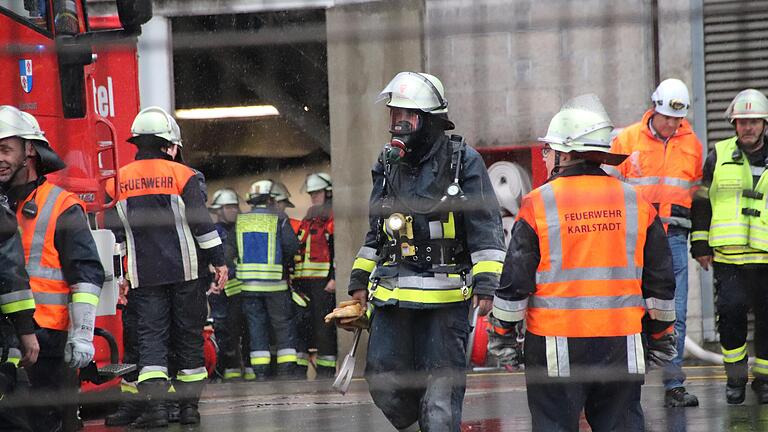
(367, 45)
(156, 64)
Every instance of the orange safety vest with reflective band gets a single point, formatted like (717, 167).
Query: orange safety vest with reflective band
(588, 282)
(51, 291)
(664, 175)
(314, 257)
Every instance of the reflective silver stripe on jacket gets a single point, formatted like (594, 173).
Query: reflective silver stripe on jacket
(368, 253)
(488, 255)
(208, 240)
(556, 272)
(587, 302)
(509, 310)
(15, 296)
(661, 310)
(43, 298)
(667, 181)
(133, 272)
(34, 264)
(86, 288)
(186, 240)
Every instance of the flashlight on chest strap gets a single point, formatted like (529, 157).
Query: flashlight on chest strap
(401, 227)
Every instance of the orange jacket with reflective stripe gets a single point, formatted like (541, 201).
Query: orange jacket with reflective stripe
(51, 291)
(665, 175)
(588, 282)
(314, 259)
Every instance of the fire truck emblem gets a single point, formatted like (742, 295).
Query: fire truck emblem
(25, 73)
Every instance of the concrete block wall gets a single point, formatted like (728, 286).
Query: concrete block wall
(509, 65)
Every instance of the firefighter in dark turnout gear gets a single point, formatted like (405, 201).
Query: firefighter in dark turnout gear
(132, 404)
(435, 243)
(729, 233)
(266, 245)
(63, 264)
(17, 306)
(170, 242)
(315, 275)
(226, 308)
(588, 267)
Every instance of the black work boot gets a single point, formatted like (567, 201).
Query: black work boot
(736, 386)
(174, 410)
(735, 393)
(155, 412)
(188, 413)
(286, 371)
(261, 372)
(678, 397)
(761, 390)
(189, 395)
(128, 411)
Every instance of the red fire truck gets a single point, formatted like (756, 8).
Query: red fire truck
(81, 83)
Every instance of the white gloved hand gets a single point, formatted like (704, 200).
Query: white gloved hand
(79, 351)
(78, 354)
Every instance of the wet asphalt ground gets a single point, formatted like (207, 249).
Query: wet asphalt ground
(495, 402)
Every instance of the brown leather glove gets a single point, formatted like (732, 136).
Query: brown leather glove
(349, 315)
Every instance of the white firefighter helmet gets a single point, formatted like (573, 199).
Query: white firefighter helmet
(415, 90)
(749, 103)
(262, 187)
(316, 182)
(14, 122)
(582, 125)
(156, 121)
(671, 98)
(282, 194)
(224, 197)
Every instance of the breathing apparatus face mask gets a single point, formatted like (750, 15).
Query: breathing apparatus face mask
(409, 129)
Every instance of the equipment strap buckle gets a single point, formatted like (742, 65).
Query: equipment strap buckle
(750, 212)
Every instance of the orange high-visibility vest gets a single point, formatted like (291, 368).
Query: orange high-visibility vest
(591, 233)
(664, 175)
(51, 291)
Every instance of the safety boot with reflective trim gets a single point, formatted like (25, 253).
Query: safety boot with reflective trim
(760, 388)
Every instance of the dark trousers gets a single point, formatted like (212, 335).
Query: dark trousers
(737, 289)
(53, 384)
(130, 336)
(416, 365)
(313, 332)
(270, 311)
(14, 386)
(593, 377)
(170, 325)
(231, 334)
